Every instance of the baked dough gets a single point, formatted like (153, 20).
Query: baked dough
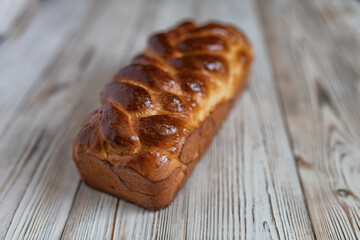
(160, 113)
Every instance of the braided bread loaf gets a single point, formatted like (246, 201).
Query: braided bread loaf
(160, 113)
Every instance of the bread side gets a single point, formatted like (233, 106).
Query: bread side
(160, 113)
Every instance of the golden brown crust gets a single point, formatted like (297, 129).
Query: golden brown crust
(160, 113)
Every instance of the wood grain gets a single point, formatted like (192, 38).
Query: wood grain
(285, 164)
(318, 81)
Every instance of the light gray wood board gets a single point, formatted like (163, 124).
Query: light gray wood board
(319, 83)
(28, 126)
(245, 186)
(13, 14)
(199, 212)
(60, 107)
(38, 204)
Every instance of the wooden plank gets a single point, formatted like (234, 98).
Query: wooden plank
(320, 92)
(92, 215)
(341, 12)
(128, 216)
(131, 40)
(11, 13)
(245, 186)
(24, 59)
(290, 217)
(26, 127)
(343, 20)
(254, 191)
(54, 114)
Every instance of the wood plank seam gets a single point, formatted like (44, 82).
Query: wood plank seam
(280, 100)
(71, 208)
(324, 101)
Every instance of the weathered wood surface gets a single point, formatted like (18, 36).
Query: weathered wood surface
(316, 63)
(285, 165)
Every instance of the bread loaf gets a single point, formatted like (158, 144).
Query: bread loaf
(160, 113)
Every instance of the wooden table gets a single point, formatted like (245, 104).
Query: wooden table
(285, 165)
